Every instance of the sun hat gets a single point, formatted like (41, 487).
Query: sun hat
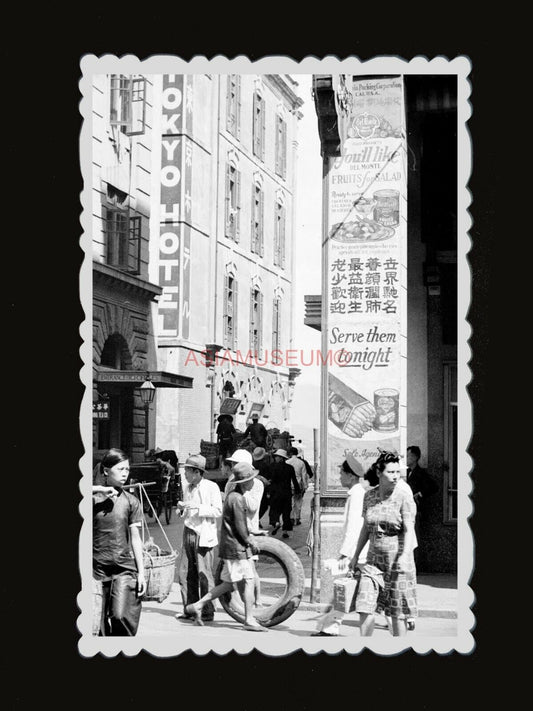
(354, 465)
(281, 453)
(240, 455)
(196, 461)
(258, 453)
(242, 472)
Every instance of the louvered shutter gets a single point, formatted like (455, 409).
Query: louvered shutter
(238, 104)
(256, 127)
(260, 324)
(228, 203)
(279, 323)
(261, 221)
(252, 344)
(233, 345)
(263, 129)
(283, 149)
(282, 237)
(275, 336)
(278, 147)
(229, 117)
(252, 227)
(237, 215)
(225, 311)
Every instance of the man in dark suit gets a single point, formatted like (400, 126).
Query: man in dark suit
(422, 485)
(419, 480)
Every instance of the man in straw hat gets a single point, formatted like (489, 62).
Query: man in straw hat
(281, 476)
(258, 432)
(201, 506)
(235, 550)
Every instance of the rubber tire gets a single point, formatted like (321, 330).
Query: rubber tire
(286, 605)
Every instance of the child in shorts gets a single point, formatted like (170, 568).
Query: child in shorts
(236, 549)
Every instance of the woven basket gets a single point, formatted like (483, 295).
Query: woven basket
(159, 571)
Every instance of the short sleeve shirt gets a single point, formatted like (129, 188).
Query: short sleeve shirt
(111, 533)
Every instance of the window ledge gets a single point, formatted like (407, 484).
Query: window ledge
(128, 282)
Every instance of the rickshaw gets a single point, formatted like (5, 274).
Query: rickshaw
(163, 490)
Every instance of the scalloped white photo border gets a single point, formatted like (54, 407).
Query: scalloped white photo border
(273, 644)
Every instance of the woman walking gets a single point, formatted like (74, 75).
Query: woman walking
(388, 579)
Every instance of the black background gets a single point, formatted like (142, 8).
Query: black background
(41, 134)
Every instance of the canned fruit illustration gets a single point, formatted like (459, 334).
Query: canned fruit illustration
(350, 412)
(387, 207)
(387, 406)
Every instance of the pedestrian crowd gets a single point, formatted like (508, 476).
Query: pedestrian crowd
(379, 536)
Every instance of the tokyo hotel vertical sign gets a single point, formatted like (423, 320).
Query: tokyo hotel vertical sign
(365, 251)
(176, 207)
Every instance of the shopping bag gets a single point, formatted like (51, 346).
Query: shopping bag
(344, 593)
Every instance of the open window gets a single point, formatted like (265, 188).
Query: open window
(128, 104)
(122, 233)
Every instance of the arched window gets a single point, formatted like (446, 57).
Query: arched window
(279, 232)
(233, 197)
(256, 320)
(230, 317)
(257, 240)
(258, 129)
(233, 104)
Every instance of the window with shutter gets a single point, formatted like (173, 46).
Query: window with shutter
(232, 201)
(263, 129)
(282, 237)
(252, 320)
(235, 313)
(122, 231)
(237, 205)
(260, 323)
(225, 312)
(238, 104)
(259, 126)
(276, 324)
(256, 229)
(283, 157)
(261, 223)
(233, 103)
(281, 146)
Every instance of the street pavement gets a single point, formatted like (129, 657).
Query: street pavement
(437, 598)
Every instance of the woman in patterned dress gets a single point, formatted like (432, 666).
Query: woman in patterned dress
(388, 579)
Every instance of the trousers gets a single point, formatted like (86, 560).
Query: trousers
(195, 572)
(121, 608)
(297, 500)
(281, 506)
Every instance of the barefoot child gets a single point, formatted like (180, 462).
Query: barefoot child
(235, 549)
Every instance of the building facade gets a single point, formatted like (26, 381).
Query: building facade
(431, 118)
(193, 204)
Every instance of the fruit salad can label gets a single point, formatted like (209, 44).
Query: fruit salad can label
(387, 207)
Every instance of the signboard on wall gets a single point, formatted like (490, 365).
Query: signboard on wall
(101, 410)
(176, 206)
(365, 258)
(229, 406)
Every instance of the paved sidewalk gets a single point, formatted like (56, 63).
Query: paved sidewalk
(437, 594)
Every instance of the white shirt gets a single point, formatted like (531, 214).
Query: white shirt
(207, 502)
(252, 500)
(353, 522)
(300, 471)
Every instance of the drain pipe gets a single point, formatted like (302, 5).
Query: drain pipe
(315, 561)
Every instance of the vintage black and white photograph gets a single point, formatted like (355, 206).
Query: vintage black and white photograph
(275, 357)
